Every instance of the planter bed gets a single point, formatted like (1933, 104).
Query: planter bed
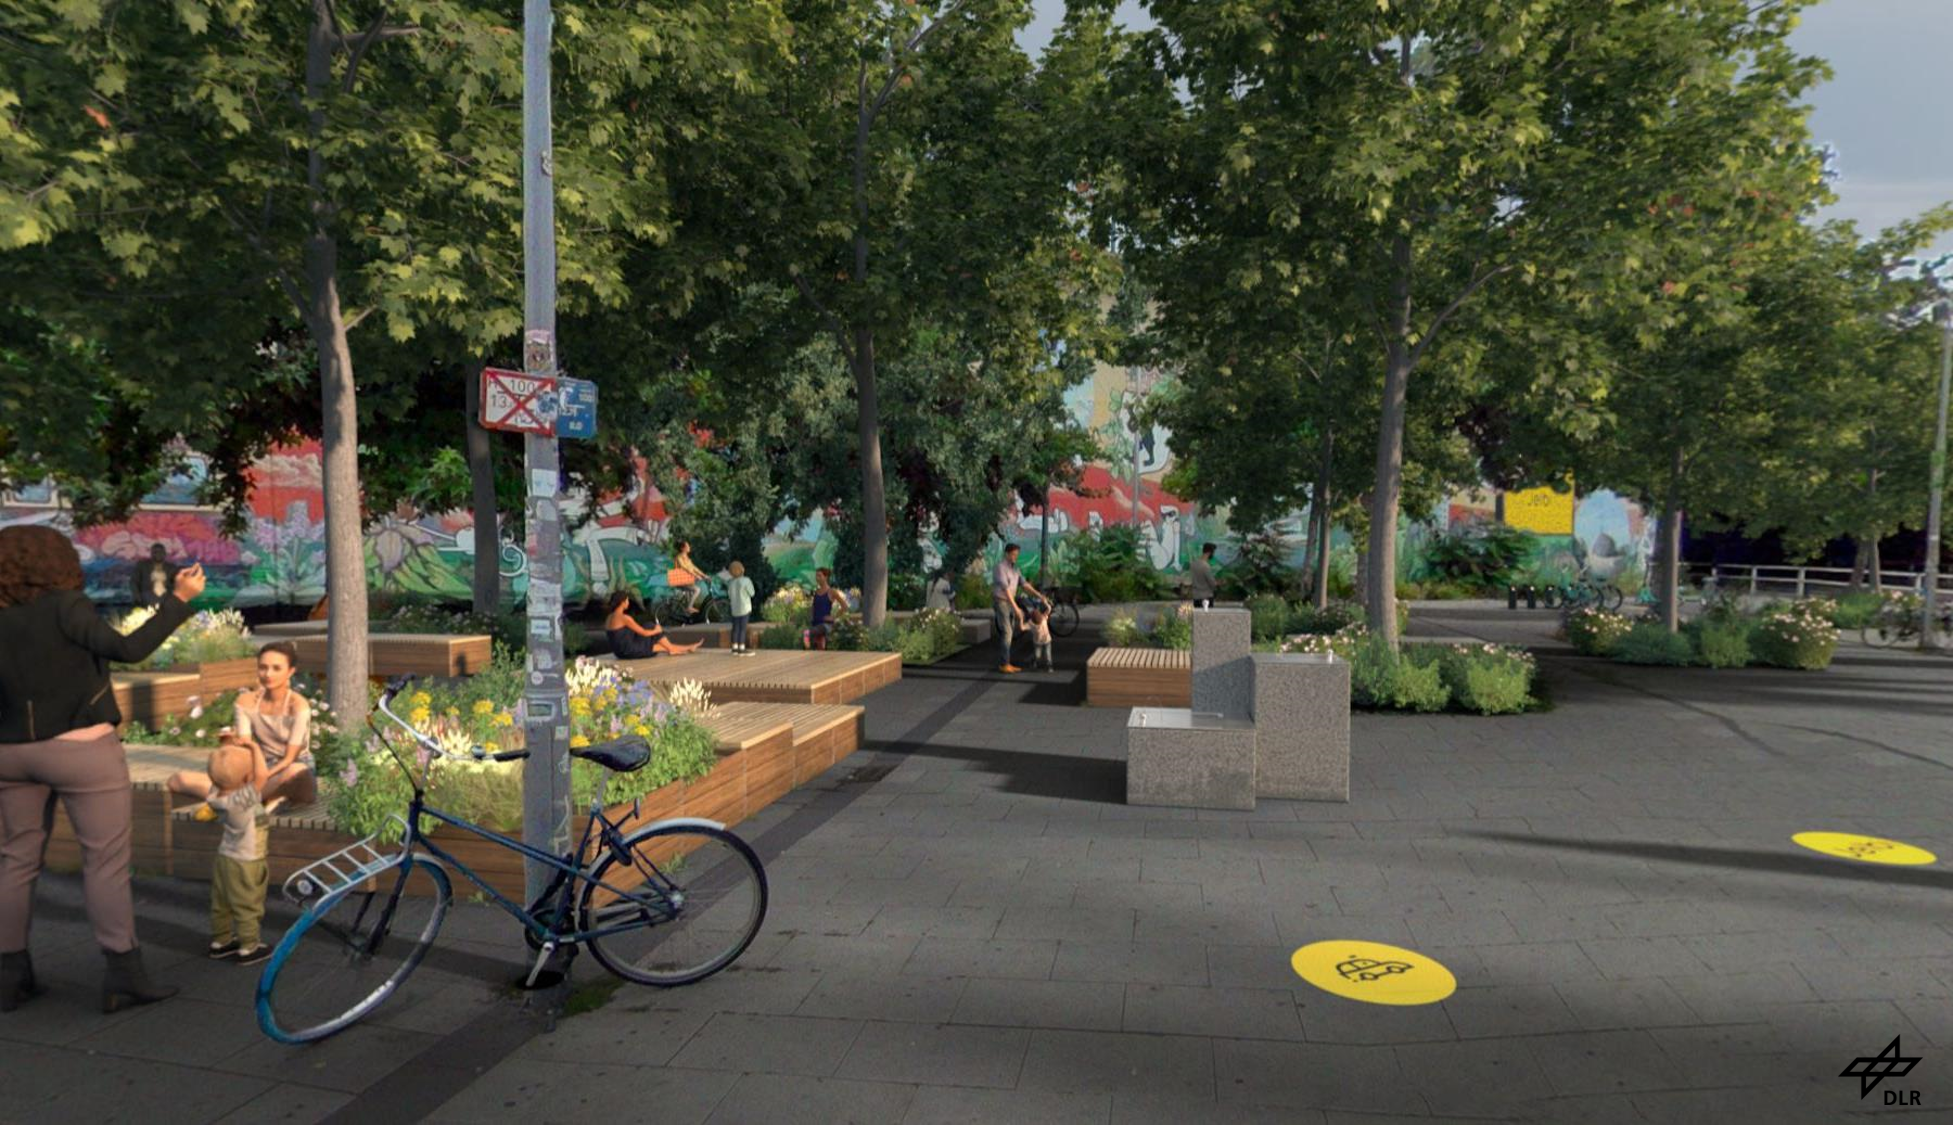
(409, 654)
(775, 675)
(977, 629)
(150, 698)
(1139, 677)
(765, 750)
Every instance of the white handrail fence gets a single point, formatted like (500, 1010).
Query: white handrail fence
(1805, 580)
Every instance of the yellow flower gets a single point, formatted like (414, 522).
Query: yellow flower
(504, 719)
(421, 699)
(419, 716)
(641, 731)
(484, 706)
(579, 742)
(454, 713)
(579, 706)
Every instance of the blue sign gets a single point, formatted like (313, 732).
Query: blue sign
(576, 410)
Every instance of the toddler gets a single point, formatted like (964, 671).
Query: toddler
(239, 875)
(1038, 624)
(739, 599)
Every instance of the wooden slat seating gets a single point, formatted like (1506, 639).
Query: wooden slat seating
(1139, 677)
(409, 654)
(151, 697)
(766, 749)
(775, 676)
(287, 630)
(717, 635)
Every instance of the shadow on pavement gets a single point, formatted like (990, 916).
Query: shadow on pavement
(1045, 775)
(1779, 863)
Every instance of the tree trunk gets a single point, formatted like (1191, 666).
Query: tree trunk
(1319, 501)
(1670, 530)
(1380, 601)
(346, 653)
(488, 528)
(874, 497)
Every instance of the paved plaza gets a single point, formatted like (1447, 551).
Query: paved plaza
(969, 925)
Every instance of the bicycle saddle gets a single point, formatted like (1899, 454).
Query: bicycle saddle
(619, 755)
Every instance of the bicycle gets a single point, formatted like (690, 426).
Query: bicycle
(1896, 622)
(641, 903)
(714, 607)
(1582, 592)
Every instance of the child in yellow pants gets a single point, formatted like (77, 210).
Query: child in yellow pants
(239, 875)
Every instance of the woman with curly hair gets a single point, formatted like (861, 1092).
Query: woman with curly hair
(57, 740)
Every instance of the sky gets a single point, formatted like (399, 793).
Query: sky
(1890, 121)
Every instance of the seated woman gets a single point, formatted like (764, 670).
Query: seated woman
(275, 721)
(631, 641)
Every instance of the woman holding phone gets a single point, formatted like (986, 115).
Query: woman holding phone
(58, 742)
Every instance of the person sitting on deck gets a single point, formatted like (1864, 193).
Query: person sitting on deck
(632, 641)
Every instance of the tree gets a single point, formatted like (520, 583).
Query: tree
(1410, 157)
(927, 181)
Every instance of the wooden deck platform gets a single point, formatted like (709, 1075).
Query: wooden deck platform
(1139, 677)
(775, 675)
(766, 749)
(408, 654)
(718, 635)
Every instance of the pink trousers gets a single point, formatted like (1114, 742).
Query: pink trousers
(91, 779)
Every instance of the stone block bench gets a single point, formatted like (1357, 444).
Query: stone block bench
(1139, 677)
(1189, 759)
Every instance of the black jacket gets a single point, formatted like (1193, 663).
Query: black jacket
(54, 662)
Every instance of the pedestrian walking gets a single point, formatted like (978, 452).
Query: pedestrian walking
(1201, 578)
(1005, 581)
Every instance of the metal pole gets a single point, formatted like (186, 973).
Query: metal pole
(546, 775)
(1929, 614)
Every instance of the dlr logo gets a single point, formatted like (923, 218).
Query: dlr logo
(1900, 1097)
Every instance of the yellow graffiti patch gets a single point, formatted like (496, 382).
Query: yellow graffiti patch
(1866, 849)
(1373, 972)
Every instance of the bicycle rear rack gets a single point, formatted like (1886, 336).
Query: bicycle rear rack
(347, 867)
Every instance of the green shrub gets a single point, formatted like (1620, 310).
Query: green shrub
(1596, 632)
(784, 635)
(1721, 644)
(1271, 613)
(1112, 568)
(1173, 630)
(1329, 619)
(1482, 556)
(942, 628)
(1385, 680)
(789, 605)
(1649, 642)
(1123, 631)
(1799, 635)
(1855, 611)
(905, 591)
(1488, 679)
(972, 591)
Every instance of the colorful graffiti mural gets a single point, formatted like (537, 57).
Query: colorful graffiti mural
(279, 557)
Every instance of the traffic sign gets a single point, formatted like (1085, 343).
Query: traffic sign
(576, 413)
(511, 400)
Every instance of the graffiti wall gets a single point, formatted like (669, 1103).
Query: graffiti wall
(279, 557)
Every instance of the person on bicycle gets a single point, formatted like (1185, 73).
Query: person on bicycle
(1005, 582)
(685, 575)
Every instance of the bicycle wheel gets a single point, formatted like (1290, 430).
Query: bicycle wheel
(684, 903)
(1611, 597)
(348, 953)
(1884, 631)
(715, 610)
(1064, 619)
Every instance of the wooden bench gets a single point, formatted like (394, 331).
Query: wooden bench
(718, 634)
(150, 698)
(1139, 677)
(775, 675)
(409, 654)
(286, 630)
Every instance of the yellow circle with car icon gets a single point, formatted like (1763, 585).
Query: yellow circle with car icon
(1373, 972)
(1865, 849)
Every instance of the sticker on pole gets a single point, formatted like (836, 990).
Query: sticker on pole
(1373, 972)
(1865, 849)
(576, 414)
(519, 403)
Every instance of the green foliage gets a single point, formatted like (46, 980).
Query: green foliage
(1331, 618)
(1173, 630)
(1596, 632)
(782, 636)
(1488, 679)
(1261, 568)
(789, 605)
(905, 590)
(1123, 631)
(1112, 568)
(1271, 614)
(1479, 557)
(972, 591)
(1721, 643)
(1381, 678)
(1855, 611)
(1798, 635)
(1649, 642)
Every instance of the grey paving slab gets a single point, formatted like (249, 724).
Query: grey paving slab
(1246, 1013)
(1073, 1004)
(981, 957)
(1151, 1109)
(938, 1054)
(884, 995)
(768, 1044)
(1313, 1076)
(1131, 962)
(1118, 1064)
(287, 1105)
(759, 1099)
(945, 1105)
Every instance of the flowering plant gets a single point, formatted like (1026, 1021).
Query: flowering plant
(209, 636)
(366, 785)
(789, 605)
(1595, 631)
(1798, 635)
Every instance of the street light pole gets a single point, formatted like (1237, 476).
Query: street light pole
(546, 711)
(1929, 623)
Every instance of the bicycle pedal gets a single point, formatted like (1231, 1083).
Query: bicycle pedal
(542, 958)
